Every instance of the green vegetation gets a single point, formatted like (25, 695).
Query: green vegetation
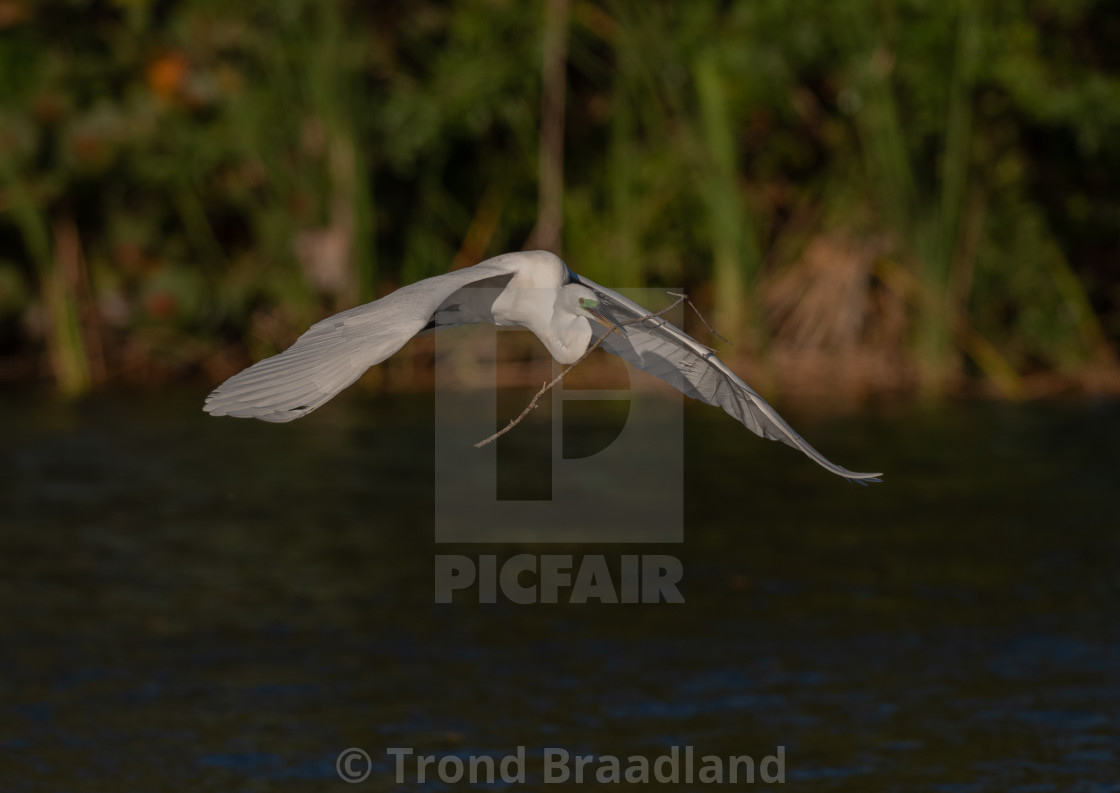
(868, 194)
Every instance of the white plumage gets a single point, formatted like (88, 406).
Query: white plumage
(534, 290)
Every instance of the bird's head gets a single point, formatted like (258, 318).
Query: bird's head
(577, 299)
(586, 304)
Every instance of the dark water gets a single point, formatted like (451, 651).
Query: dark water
(189, 603)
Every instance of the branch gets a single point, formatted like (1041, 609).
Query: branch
(681, 297)
(707, 324)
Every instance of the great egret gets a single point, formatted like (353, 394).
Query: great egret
(532, 289)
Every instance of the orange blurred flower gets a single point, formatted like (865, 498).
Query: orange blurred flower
(166, 73)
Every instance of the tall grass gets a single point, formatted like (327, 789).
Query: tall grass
(930, 224)
(60, 274)
(735, 259)
(197, 182)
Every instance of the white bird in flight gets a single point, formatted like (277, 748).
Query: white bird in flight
(531, 289)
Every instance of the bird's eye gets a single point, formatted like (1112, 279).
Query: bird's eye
(587, 302)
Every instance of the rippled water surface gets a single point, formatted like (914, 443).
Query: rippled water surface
(188, 603)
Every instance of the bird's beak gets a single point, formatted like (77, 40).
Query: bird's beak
(606, 323)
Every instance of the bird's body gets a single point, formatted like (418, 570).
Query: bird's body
(532, 289)
(533, 298)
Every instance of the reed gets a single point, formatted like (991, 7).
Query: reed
(734, 255)
(197, 182)
(925, 211)
(60, 274)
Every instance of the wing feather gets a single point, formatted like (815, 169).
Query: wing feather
(335, 352)
(668, 353)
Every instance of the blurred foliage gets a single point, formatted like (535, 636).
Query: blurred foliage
(187, 184)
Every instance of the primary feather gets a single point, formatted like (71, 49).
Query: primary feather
(667, 352)
(335, 352)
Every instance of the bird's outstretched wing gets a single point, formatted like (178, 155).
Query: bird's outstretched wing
(667, 352)
(335, 352)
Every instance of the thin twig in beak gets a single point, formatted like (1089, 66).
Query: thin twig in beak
(606, 323)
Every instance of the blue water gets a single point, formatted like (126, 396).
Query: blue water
(188, 603)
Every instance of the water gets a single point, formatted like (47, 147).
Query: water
(188, 603)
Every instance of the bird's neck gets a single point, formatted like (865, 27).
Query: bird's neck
(569, 336)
